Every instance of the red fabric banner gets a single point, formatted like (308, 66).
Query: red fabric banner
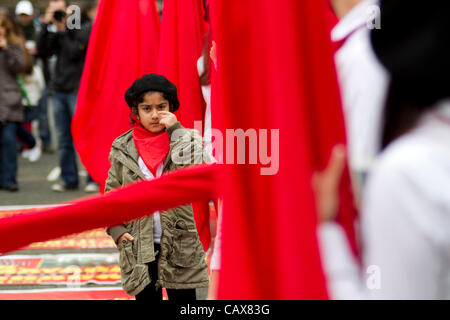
(120, 205)
(331, 16)
(124, 45)
(181, 45)
(275, 73)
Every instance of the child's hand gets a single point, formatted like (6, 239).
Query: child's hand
(168, 119)
(126, 236)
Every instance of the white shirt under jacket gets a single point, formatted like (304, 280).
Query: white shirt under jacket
(157, 229)
(405, 221)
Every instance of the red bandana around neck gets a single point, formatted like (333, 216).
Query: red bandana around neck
(152, 147)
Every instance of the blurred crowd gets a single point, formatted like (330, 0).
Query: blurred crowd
(41, 61)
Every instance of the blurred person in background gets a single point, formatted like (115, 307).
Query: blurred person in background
(30, 81)
(89, 12)
(11, 108)
(363, 82)
(26, 20)
(69, 46)
(32, 84)
(26, 142)
(405, 216)
(31, 27)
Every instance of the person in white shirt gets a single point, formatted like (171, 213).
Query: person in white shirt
(405, 216)
(363, 83)
(206, 92)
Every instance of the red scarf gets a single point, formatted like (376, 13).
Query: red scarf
(152, 147)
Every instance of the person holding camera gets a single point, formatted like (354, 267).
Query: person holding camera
(69, 45)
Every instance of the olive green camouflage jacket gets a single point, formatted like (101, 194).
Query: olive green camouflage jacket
(181, 263)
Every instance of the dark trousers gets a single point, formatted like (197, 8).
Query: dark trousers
(150, 293)
(44, 128)
(63, 108)
(8, 153)
(25, 136)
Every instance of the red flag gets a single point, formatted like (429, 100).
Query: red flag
(124, 45)
(128, 203)
(331, 16)
(275, 73)
(183, 29)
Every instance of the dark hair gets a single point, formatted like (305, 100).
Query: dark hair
(152, 82)
(400, 115)
(16, 36)
(13, 31)
(140, 99)
(412, 45)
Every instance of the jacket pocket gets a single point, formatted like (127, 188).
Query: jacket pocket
(138, 278)
(127, 260)
(187, 249)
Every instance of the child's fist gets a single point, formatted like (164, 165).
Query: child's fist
(168, 119)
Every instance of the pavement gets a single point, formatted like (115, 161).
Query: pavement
(35, 189)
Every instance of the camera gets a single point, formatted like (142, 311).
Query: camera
(59, 15)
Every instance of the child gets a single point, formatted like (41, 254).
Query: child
(162, 250)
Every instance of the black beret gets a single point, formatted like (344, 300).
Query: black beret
(152, 82)
(413, 45)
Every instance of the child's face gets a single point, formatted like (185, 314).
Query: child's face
(148, 111)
